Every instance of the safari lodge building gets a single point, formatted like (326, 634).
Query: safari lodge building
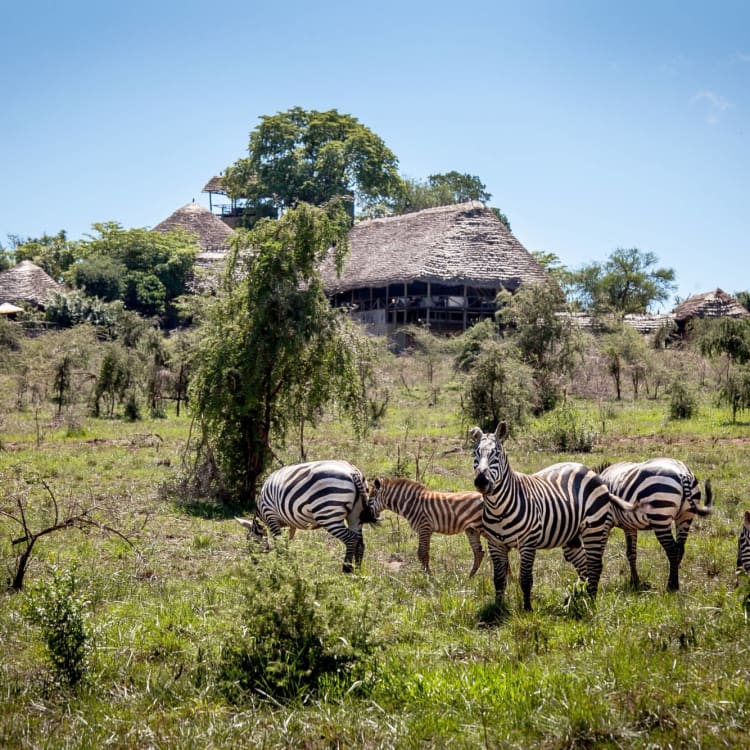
(441, 267)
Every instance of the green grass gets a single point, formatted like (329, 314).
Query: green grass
(639, 669)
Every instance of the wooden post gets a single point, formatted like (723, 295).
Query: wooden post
(466, 305)
(429, 303)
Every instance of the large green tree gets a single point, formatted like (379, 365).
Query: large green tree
(627, 282)
(146, 270)
(274, 352)
(310, 156)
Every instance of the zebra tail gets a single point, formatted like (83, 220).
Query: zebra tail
(707, 508)
(624, 505)
(368, 514)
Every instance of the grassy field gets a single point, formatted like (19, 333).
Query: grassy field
(638, 669)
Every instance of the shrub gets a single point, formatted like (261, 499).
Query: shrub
(683, 403)
(59, 609)
(299, 636)
(564, 429)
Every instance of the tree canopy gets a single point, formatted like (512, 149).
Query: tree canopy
(311, 156)
(627, 282)
(274, 352)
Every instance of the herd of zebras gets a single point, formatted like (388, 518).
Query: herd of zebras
(566, 505)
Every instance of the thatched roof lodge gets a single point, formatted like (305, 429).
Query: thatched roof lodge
(714, 304)
(26, 282)
(211, 233)
(441, 266)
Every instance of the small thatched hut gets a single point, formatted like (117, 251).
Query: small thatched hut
(26, 282)
(714, 304)
(441, 266)
(212, 233)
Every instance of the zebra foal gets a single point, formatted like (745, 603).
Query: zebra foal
(743, 545)
(565, 505)
(430, 512)
(667, 493)
(317, 494)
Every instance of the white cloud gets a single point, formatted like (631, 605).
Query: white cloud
(714, 105)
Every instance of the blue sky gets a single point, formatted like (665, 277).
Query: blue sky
(595, 125)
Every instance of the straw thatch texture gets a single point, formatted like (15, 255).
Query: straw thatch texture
(458, 244)
(26, 282)
(714, 304)
(215, 185)
(644, 323)
(212, 233)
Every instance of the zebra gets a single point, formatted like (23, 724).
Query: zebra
(565, 505)
(667, 493)
(328, 494)
(743, 545)
(429, 512)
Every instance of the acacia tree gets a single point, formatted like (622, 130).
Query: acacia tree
(274, 352)
(310, 156)
(627, 282)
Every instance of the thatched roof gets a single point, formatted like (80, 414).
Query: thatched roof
(211, 232)
(215, 185)
(26, 282)
(715, 304)
(644, 323)
(459, 244)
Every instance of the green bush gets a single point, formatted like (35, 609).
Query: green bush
(683, 403)
(58, 608)
(564, 429)
(298, 636)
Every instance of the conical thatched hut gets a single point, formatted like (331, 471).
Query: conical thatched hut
(211, 232)
(441, 266)
(714, 304)
(26, 282)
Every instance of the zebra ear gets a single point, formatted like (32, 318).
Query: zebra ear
(746, 522)
(502, 431)
(475, 433)
(376, 483)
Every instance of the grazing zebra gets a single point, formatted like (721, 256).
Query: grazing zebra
(743, 545)
(667, 493)
(429, 512)
(328, 494)
(565, 505)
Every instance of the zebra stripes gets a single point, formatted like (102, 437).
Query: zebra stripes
(565, 505)
(667, 493)
(327, 494)
(743, 545)
(430, 512)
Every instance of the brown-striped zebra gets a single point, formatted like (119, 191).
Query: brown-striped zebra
(743, 545)
(667, 493)
(566, 505)
(327, 494)
(431, 512)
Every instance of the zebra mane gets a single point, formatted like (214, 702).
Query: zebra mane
(601, 467)
(403, 482)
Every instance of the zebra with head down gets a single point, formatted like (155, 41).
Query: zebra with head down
(565, 505)
(743, 545)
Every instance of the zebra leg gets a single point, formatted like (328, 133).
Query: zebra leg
(674, 555)
(594, 547)
(575, 554)
(631, 551)
(475, 540)
(499, 557)
(359, 550)
(423, 552)
(683, 529)
(528, 554)
(350, 538)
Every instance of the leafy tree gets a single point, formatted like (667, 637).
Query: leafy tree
(147, 270)
(735, 391)
(547, 342)
(274, 351)
(54, 254)
(727, 336)
(626, 283)
(744, 299)
(310, 156)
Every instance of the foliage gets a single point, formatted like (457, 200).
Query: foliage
(146, 270)
(499, 387)
(734, 391)
(116, 381)
(626, 282)
(298, 636)
(471, 342)
(309, 156)
(67, 309)
(727, 336)
(566, 430)
(274, 351)
(59, 609)
(9, 336)
(54, 254)
(547, 342)
(627, 354)
(744, 299)
(683, 403)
